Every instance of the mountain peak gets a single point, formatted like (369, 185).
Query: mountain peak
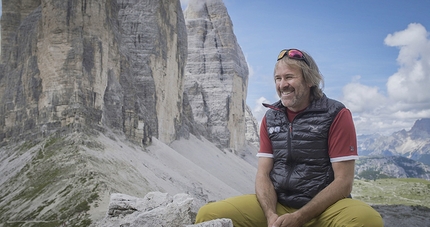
(421, 125)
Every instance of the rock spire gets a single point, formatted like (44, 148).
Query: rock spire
(216, 74)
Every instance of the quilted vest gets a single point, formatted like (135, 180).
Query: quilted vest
(302, 166)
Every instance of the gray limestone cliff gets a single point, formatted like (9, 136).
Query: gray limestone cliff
(95, 100)
(91, 65)
(216, 75)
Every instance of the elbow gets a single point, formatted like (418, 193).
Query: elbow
(347, 189)
(344, 187)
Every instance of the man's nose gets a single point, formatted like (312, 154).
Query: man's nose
(283, 83)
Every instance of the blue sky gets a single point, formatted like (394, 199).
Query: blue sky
(374, 55)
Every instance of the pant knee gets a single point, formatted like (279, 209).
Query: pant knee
(244, 211)
(206, 213)
(369, 217)
(363, 215)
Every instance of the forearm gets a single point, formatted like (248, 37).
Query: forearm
(334, 192)
(266, 195)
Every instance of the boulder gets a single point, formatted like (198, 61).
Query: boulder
(155, 209)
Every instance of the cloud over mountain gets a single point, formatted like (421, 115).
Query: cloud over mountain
(407, 98)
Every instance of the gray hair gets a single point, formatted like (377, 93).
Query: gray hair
(311, 74)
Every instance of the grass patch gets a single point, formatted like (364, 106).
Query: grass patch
(409, 191)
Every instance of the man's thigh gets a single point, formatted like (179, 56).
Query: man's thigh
(348, 213)
(244, 211)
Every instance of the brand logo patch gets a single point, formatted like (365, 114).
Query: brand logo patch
(274, 129)
(313, 128)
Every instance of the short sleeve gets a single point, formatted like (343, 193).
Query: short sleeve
(265, 143)
(342, 138)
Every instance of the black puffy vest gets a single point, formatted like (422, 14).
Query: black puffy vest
(302, 167)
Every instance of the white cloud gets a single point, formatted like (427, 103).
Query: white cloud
(259, 110)
(408, 97)
(411, 82)
(360, 98)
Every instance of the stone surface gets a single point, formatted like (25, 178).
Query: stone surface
(82, 65)
(400, 215)
(155, 209)
(216, 74)
(224, 222)
(161, 209)
(13, 14)
(252, 128)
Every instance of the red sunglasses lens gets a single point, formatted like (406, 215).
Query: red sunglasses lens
(295, 54)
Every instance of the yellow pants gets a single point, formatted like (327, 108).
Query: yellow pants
(245, 211)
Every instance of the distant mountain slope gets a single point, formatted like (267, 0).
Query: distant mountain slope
(413, 144)
(376, 167)
(68, 178)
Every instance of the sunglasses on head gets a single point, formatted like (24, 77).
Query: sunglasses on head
(293, 54)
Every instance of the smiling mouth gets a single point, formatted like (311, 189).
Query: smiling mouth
(285, 93)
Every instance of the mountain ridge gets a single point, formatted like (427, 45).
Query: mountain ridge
(413, 144)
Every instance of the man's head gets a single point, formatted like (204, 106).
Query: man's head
(297, 79)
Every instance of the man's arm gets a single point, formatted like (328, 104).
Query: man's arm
(264, 189)
(340, 188)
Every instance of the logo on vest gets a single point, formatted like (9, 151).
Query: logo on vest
(274, 129)
(313, 128)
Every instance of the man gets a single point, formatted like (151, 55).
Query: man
(306, 160)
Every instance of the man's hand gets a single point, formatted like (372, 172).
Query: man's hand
(272, 219)
(287, 220)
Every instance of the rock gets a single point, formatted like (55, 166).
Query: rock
(401, 215)
(224, 222)
(216, 75)
(252, 128)
(13, 15)
(161, 209)
(155, 209)
(84, 65)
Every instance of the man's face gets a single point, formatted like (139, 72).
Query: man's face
(291, 87)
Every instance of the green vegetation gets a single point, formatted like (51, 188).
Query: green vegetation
(407, 191)
(372, 175)
(56, 159)
(27, 145)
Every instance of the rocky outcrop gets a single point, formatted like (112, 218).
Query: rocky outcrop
(216, 75)
(252, 128)
(14, 13)
(401, 215)
(161, 209)
(155, 209)
(79, 80)
(120, 65)
(81, 65)
(68, 180)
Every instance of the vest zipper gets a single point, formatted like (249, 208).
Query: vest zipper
(289, 157)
